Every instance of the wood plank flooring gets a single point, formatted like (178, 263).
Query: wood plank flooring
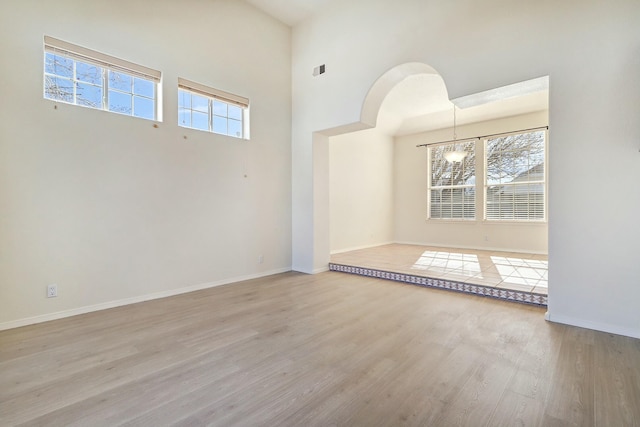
(324, 350)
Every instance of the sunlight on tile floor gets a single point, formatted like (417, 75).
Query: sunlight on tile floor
(506, 270)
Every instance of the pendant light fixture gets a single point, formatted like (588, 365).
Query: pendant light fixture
(454, 156)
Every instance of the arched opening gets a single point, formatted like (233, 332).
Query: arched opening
(382, 201)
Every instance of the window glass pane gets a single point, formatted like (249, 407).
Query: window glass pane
(143, 107)
(120, 102)
(199, 103)
(440, 168)
(89, 95)
(220, 125)
(235, 128)
(235, 112)
(143, 87)
(184, 99)
(493, 169)
(184, 117)
(516, 163)
(537, 158)
(455, 199)
(89, 73)
(120, 81)
(200, 120)
(58, 88)
(220, 108)
(458, 176)
(104, 86)
(58, 65)
(211, 113)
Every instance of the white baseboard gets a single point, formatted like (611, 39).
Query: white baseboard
(597, 326)
(148, 297)
(479, 248)
(321, 270)
(355, 248)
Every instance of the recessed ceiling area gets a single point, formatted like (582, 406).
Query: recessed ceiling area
(420, 103)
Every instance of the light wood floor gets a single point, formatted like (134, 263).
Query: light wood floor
(322, 350)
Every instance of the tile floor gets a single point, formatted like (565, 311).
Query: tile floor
(502, 270)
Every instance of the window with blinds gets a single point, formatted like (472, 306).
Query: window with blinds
(452, 192)
(515, 177)
(212, 110)
(81, 76)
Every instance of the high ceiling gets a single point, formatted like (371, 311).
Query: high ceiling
(291, 12)
(421, 103)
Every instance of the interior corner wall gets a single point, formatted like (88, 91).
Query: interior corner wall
(410, 206)
(361, 190)
(589, 50)
(113, 209)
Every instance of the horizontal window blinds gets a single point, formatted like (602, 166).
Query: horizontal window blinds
(515, 177)
(60, 47)
(452, 193)
(213, 93)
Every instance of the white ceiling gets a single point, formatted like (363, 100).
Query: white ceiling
(420, 102)
(291, 12)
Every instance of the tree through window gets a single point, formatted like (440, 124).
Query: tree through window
(80, 76)
(515, 177)
(452, 192)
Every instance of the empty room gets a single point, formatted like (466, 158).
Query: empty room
(288, 212)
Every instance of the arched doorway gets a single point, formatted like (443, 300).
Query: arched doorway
(359, 197)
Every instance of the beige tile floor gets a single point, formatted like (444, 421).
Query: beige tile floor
(507, 270)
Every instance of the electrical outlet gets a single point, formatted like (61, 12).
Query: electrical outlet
(52, 291)
(486, 238)
(260, 259)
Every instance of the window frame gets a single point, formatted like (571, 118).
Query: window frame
(213, 97)
(463, 187)
(106, 64)
(543, 182)
(481, 180)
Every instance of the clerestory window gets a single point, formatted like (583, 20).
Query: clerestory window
(212, 110)
(81, 76)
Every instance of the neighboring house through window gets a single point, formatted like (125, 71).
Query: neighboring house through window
(515, 177)
(513, 167)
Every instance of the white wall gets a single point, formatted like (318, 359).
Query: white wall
(410, 189)
(112, 209)
(361, 190)
(590, 51)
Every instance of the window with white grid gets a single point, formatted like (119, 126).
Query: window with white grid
(451, 186)
(81, 76)
(212, 110)
(515, 177)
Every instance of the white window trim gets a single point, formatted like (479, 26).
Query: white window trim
(545, 181)
(227, 97)
(210, 92)
(430, 187)
(108, 63)
(84, 54)
(481, 182)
